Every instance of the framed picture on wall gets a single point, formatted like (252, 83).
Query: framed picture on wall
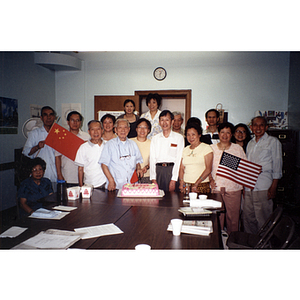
(8, 116)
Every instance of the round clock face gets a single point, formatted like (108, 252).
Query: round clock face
(160, 73)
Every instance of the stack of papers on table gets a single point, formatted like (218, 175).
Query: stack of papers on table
(99, 230)
(12, 232)
(43, 213)
(206, 203)
(195, 227)
(50, 239)
(194, 211)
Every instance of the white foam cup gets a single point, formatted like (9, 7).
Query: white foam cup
(202, 197)
(142, 247)
(176, 226)
(193, 195)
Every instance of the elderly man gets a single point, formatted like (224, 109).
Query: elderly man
(266, 151)
(120, 157)
(66, 168)
(178, 120)
(88, 155)
(35, 145)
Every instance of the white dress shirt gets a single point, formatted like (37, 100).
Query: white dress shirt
(166, 150)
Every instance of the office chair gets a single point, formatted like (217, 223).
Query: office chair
(281, 235)
(244, 240)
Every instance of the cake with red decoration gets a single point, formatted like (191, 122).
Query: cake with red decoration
(140, 190)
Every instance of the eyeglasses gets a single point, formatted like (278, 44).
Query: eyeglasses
(142, 127)
(241, 131)
(37, 169)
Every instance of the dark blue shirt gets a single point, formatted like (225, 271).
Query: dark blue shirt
(33, 192)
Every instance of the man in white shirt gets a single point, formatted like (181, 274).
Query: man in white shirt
(66, 168)
(210, 135)
(35, 145)
(266, 151)
(165, 154)
(87, 157)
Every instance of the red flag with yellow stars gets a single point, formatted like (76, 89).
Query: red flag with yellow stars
(63, 141)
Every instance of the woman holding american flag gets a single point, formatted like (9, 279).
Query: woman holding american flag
(225, 185)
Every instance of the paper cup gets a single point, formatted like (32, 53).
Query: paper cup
(202, 197)
(73, 192)
(193, 196)
(142, 247)
(176, 226)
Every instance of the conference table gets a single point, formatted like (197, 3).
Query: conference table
(143, 221)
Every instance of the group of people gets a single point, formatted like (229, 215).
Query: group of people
(156, 148)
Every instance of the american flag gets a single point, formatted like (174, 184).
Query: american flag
(239, 170)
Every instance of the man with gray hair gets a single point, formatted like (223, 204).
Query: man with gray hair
(264, 150)
(178, 120)
(88, 155)
(120, 157)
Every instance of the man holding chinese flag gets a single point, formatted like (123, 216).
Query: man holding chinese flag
(66, 168)
(35, 145)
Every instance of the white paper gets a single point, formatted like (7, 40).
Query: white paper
(43, 213)
(64, 208)
(12, 232)
(48, 241)
(99, 230)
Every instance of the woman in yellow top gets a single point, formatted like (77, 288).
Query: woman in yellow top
(196, 162)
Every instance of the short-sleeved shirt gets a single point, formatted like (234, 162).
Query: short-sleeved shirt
(145, 151)
(155, 127)
(46, 153)
(194, 162)
(68, 167)
(121, 159)
(87, 157)
(33, 192)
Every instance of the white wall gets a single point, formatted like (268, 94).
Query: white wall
(242, 81)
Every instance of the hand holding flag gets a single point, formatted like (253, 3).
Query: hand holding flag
(239, 170)
(63, 141)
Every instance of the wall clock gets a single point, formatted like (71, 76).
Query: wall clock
(160, 73)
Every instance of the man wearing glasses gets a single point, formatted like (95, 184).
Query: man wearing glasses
(66, 168)
(120, 158)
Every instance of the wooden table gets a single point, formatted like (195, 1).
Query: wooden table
(143, 221)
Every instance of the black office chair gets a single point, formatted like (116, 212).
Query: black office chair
(281, 236)
(244, 240)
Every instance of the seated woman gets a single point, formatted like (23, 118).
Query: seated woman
(108, 122)
(225, 190)
(35, 187)
(143, 128)
(241, 135)
(196, 162)
(129, 108)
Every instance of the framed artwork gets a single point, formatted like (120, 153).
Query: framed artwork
(8, 116)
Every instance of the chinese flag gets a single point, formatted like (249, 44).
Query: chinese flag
(134, 177)
(63, 141)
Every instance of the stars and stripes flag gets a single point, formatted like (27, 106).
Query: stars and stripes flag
(63, 141)
(238, 170)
